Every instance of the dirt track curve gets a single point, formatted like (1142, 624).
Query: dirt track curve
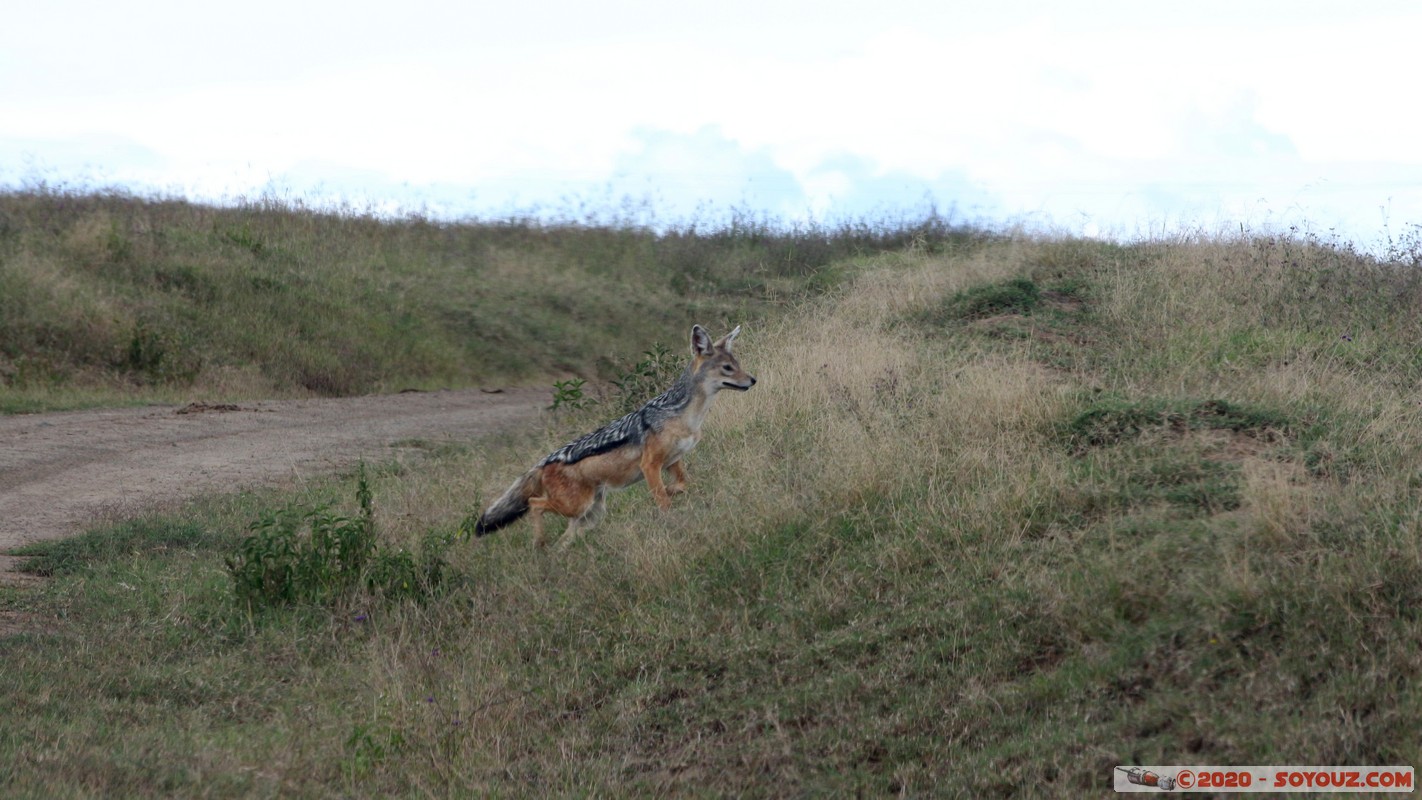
(61, 472)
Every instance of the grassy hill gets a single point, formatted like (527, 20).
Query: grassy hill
(110, 298)
(996, 518)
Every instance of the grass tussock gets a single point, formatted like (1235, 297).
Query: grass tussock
(1168, 514)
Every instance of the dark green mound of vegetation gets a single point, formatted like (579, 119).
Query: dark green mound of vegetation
(1017, 296)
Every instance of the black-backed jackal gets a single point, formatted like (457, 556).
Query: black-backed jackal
(573, 480)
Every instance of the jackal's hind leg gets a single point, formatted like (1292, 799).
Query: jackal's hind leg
(536, 506)
(587, 521)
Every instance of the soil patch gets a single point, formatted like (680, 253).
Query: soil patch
(62, 472)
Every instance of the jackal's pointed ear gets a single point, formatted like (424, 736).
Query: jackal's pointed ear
(700, 341)
(729, 339)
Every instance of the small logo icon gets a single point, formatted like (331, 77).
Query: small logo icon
(1144, 777)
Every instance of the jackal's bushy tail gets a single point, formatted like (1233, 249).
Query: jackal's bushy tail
(511, 505)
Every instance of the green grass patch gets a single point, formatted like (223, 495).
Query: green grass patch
(1050, 312)
(1190, 483)
(145, 536)
(1115, 420)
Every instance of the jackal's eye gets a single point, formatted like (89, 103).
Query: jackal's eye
(727, 368)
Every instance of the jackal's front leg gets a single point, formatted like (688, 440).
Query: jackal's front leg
(678, 484)
(652, 462)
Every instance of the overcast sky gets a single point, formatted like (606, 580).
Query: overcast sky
(1100, 117)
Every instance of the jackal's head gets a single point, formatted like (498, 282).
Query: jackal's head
(714, 365)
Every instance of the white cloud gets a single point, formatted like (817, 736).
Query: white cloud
(1120, 114)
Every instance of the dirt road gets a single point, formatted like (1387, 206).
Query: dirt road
(60, 472)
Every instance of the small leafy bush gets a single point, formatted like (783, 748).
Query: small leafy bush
(312, 555)
(653, 374)
(570, 394)
(159, 356)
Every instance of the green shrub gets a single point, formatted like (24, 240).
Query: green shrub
(649, 377)
(315, 556)
(570, 394)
